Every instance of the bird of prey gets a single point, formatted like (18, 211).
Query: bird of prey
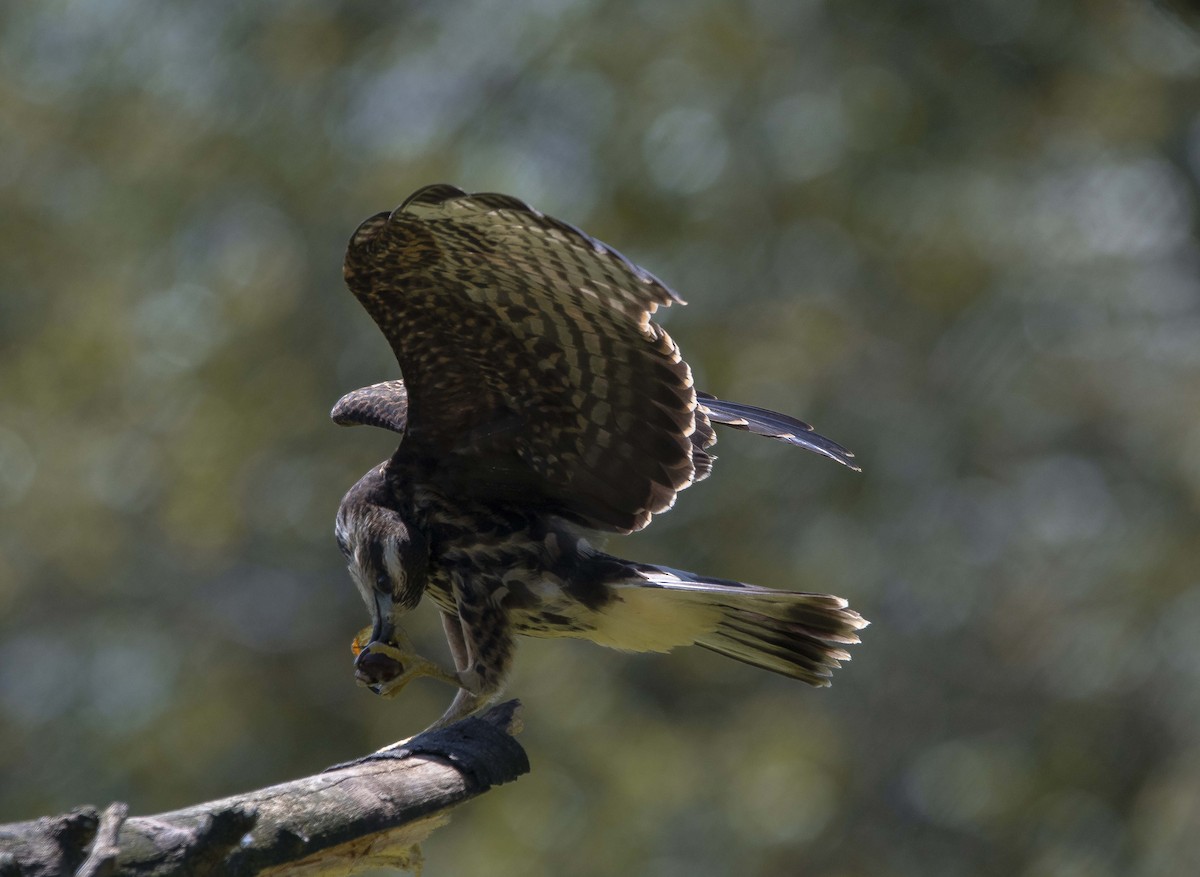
(540, 407)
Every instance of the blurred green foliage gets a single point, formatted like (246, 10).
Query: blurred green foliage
(958, 236)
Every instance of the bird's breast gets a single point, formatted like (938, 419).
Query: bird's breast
(538, 571)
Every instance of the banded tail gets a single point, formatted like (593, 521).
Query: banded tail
(795, 634)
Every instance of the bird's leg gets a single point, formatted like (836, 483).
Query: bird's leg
(454, 638)
(481, 642)
(464, 702)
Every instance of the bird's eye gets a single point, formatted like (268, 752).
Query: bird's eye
(383, 582)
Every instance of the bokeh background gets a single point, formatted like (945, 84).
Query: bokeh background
(959, 236)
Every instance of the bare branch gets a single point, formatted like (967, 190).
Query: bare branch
(369, 813)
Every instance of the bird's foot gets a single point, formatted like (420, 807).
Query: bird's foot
(465, 703)
(386, 668)
(414, 667)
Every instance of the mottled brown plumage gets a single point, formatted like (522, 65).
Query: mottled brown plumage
(539, 402)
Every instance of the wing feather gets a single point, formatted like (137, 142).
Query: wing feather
(528, 355)
(763, 421)
(384, 405)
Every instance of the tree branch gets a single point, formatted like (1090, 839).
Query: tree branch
(369, 813)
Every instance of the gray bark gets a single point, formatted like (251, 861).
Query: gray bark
(369, 813)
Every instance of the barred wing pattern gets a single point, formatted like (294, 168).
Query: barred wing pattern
(528, 356)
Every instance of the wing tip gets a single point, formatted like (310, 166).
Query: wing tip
(383, 405)
(773, 424)
(340, 412)
(846, 458)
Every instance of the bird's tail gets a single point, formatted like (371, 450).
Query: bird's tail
(795, 634)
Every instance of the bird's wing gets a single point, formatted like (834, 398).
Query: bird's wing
(763, 421)
(528, 355)
(384, 405)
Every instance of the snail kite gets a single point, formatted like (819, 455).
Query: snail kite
(540, 406)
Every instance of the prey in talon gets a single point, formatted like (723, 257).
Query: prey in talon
(386, 666)
(539, 408)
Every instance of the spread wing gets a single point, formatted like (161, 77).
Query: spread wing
(529, 358)
(386, 405)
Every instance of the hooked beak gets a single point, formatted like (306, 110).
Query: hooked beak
(383, 628)
(378, 661)
(384, 658)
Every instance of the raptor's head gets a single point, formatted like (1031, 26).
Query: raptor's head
(387, 560)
